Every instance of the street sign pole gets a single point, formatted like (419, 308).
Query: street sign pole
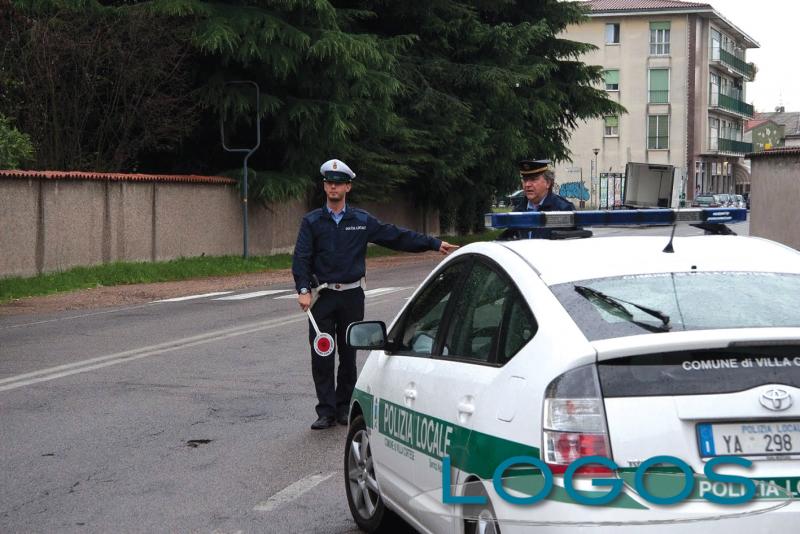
(249, 152)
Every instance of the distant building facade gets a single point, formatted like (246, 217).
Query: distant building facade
(680, 70)
(780, 126)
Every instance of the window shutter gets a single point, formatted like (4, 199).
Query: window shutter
(612, 77)
(659, 25)
(659, 80)
(612, 121)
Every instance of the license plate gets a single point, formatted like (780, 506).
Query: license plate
(772, 438)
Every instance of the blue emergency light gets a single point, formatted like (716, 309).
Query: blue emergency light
(645, 217)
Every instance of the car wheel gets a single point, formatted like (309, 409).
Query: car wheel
(361, 486)
(481, 518)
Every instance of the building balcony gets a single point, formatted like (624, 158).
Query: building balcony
(721, 145)
(732, 105)
(738, 65)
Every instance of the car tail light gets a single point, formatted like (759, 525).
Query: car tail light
(574, 423)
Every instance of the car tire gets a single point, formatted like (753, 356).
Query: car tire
(480, 518)
(363, 496)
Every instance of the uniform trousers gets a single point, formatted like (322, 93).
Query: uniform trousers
(334, 311)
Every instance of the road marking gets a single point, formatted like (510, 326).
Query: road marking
(383, 291)
(59, 371)
(243, 296)
(192, 297)
(51, 373)
(292, 491)
(104, 312)
(368, 293)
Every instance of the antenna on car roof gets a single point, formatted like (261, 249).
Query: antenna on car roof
(668, 249)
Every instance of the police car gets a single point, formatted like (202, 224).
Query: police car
(653, 357)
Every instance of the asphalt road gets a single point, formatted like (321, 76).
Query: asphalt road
(182, 416)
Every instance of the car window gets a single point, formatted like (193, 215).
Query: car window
(416, 332)
(490, 321)
(688, 301)
(518, 329)
(700, 371)
(475, 324)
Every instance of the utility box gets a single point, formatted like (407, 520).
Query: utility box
(649, 185)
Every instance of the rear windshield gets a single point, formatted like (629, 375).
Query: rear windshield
(673, 302)
(698, 372)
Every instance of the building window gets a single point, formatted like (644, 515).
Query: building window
(612, 33)
(659, 86)
(713, 90)
(659, 38)
(713, 133)
(611, 126)
(716, 43)
(612, 80)
(658, 132)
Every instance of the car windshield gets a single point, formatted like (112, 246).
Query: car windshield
(692, 301)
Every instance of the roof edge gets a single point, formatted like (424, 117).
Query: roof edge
(781, 151)
(604, 13)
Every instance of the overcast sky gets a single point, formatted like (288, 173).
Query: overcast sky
(775, 25)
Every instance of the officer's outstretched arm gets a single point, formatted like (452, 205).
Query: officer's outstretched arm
(446, 248)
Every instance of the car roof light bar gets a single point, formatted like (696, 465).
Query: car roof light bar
(645, 217)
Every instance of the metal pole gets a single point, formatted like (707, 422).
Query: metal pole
(250, 152)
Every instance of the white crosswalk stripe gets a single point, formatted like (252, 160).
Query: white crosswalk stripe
(255, 294)
(383, 291)
(192, 297)
(290, 294)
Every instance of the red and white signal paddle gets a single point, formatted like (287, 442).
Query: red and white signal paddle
(323, 342)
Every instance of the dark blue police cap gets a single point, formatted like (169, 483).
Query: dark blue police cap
(532, 167)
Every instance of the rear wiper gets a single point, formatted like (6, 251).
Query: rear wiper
(616, 304)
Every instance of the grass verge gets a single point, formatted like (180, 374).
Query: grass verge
(120, 273)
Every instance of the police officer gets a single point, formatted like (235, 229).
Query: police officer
(332, 246)
(537, 185)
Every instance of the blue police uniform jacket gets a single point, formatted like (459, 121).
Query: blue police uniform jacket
(336, 253)
(551, 202)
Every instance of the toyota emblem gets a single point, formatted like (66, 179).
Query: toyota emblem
(776, 399)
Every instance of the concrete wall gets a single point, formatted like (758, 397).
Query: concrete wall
(53, 225)
(775, 196)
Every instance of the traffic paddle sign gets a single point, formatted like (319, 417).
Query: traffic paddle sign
(323, 342)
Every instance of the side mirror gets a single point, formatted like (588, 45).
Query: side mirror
(369, 335)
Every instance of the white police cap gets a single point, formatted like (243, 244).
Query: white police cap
(336, 171)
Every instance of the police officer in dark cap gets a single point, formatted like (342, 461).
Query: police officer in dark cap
(537, 185)
(331, 248)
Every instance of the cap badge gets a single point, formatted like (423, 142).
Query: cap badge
(334, 166)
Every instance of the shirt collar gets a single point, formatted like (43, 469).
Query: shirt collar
(344, 210)
(537, 205)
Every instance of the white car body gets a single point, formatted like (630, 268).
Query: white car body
(419, 409)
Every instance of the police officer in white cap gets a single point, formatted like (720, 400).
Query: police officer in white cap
(331, 247)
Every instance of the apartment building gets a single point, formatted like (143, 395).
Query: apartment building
(680, 70)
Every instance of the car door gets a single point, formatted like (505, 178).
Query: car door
(460, 379)
(398, 450)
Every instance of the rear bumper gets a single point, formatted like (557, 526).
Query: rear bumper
(700, 517)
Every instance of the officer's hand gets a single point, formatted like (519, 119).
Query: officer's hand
(304, 300)
(446, 248)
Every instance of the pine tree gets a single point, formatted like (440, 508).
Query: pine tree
(485, 84)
